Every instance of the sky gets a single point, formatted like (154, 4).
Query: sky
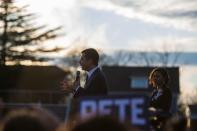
(122, 24)
(136, 25)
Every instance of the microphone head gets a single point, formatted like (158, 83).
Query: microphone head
(77, 75)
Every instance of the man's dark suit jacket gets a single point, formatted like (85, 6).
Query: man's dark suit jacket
(96, 85)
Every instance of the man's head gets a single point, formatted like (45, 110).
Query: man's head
(102, 123)
(30, 119)
(89, 59)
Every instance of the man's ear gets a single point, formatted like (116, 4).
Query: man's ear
(90, 61)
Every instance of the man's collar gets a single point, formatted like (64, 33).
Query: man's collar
(90, 72)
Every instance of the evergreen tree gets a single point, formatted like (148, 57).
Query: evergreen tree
(18, 31)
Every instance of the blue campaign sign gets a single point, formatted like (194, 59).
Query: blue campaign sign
(132, 108)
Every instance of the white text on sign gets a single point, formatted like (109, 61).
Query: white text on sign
(90, 108)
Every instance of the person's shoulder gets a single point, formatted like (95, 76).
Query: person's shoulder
(99, 75)
(168, 91)
(98, 71)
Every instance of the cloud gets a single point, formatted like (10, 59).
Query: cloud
(180, 14)
(134, 23)
(165, 44)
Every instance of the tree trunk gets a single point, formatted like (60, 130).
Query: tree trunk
(4, 39)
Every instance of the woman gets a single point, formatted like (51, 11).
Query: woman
(161, 98)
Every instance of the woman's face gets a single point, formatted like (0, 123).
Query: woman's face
(157, 79)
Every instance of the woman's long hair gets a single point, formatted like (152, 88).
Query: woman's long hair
(163, 72)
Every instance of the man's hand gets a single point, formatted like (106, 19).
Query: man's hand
(76, 84)
(69, 86)
(66, 85)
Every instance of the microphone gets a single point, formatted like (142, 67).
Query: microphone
(77, 76)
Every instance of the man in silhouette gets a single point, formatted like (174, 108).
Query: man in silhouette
(95, 83)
